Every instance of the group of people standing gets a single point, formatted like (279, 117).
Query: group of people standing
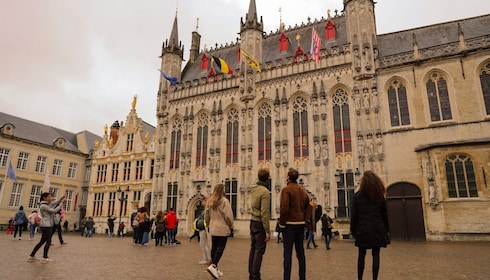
(369, 223)
(163, 227)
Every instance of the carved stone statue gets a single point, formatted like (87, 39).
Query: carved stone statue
(325, 151)
(317, 150)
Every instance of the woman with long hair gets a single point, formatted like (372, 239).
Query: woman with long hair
(219, 218)
(47, 208)
(369, 220)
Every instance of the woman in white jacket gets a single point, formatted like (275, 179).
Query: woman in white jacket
(219, 218)
(47, 208)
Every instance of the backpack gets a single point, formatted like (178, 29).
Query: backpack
(200, 224)
(160, 226)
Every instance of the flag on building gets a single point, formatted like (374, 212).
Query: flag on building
(315, 46)
(250, 60)
(173, 80)
(11, 172)
(223, 66)
(47, 181)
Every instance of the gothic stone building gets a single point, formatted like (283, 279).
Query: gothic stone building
(413, 106)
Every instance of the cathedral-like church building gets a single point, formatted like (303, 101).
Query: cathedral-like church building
(331, 98)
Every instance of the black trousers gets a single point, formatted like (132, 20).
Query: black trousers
(293, 235)
(257, 249)
(45, 238)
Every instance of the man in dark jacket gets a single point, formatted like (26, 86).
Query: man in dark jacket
(294, 202)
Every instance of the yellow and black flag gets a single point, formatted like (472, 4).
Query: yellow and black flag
(250, 60)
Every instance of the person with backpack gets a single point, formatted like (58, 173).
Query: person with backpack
(34, 220)
(20, 219)
(327, 229)
(159, 228)
(201, 227)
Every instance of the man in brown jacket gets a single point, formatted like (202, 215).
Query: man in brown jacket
(294, 201)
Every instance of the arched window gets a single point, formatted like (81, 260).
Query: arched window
(232, 136)
(300, 127)
(437, 93)
(264, 133)
(397, 101)
(341, 122)
(485, 86)
(175, 144)
(460, 175)
(202, 140)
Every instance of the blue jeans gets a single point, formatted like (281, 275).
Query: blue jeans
(32, 230)
(293, 235)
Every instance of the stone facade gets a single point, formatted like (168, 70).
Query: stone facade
(412, 105)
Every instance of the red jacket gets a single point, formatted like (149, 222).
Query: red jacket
(171, 220)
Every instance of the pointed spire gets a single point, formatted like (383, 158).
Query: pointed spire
(174, 35)
(251, 20)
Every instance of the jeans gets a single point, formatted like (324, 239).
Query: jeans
(217, 248)
(45, 238)
(203, 243)
(293, 235)
(32, 230)
(257, 249)
(171, 235)
(311, 238)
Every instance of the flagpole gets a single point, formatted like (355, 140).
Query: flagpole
(3, 187)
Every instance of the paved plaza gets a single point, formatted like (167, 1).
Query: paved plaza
(102, 258)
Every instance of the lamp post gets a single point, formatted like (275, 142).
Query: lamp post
(122, 197)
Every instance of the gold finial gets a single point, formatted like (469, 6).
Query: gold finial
(133, 104)
(328, 13)
(298, 37)
(205, 47)
(147, 137)
(282, 25)
(111, 142)
(105, 129)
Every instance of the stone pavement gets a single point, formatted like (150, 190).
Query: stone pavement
(102, 258)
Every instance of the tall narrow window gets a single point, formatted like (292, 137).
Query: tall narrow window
(397, 101)
(69, 195)
(98, 204)
(112, 203)
(300, 127)
(232, 137)
(72, 170)
(129, 142)
(115, 172)
(139, 170)
(4, 156)
(341, 122)
(101, 173)
(265, 132)
(172, 195)
(35, 196)
(57, 164)
(127, 171)
(345, 194)
(53, 192)
(41, 164)
(460, 175)
(330, 30)
(22, 161)
(437, 93)
(202, 140)
(152, 168)
(485, 86)
(175, 144)
(231, 190)
(16, 194)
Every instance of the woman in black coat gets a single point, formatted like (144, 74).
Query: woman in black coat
(369, 220)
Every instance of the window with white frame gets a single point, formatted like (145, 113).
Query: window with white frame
(69, 195)
(57, 164)
(4, 156)
(54, 193)
(22, 160)
(35, 196)
(16, 194)
(41, 164)
(72, 170)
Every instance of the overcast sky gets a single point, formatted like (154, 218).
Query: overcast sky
(76, 65)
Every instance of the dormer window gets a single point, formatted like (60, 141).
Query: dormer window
(283, 43)
(8, 129)
(60, 142)
(204, 62)
(330, 30)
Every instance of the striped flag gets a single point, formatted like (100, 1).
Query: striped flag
(223, 66)
(315, 46)
(11, 172)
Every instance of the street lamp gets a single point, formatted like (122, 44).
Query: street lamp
(122, 198)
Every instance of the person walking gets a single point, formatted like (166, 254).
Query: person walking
(33, 221)
(369, 221)
(20, 219)
(110, 226)
(89, 225)
(65, 226)
(201, 226)
(311, 225)
(327, 229)
(47, 209)
(57, 227)
(293, 205)
(219, 218)
(259, 223)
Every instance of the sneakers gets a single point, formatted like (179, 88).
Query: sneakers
(213, 271)
(32, 259)
(46, 260)
(203, 262)
(219, 272)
